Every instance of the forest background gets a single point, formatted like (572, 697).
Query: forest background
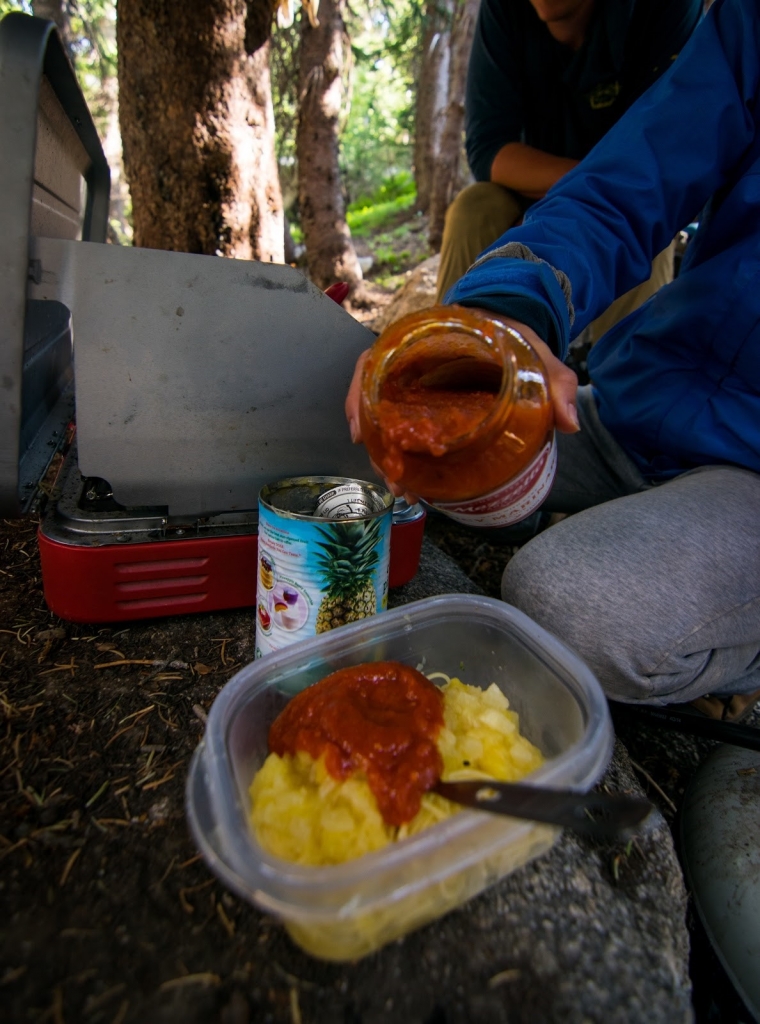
(322, 133)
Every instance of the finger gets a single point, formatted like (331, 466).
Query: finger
(563, 387)
(563, 384)
(353, 399)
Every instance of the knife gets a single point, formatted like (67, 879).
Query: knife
(687, 722)
(595, 814)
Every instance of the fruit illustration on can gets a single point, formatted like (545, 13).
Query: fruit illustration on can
(347, 560)
(266, 572)
(265, 619)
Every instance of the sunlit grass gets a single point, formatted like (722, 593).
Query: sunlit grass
(367, 219)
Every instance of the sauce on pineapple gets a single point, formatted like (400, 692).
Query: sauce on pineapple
(382, 719)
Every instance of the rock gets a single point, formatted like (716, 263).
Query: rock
(417, 292)
(593, 930)
(437, 574)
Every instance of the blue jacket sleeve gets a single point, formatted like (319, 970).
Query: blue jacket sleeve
(651, 174)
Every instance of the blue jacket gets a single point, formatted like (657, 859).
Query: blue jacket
(678, 381)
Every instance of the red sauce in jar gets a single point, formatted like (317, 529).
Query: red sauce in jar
(426, 421)
(382, 719)
(441, 414)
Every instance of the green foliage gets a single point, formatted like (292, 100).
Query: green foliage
(376, 129)
(395, 194)
(377, 138)
(6, 6)
(397, 249)
(90, 40)
(395, 186)
(388, 259)
(368, 219)
(92, 46)
(283, 63)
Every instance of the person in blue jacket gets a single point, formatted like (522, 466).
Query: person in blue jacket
(546, 80)
(655, 577)
(656, 581)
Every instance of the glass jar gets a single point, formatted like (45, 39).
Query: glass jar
(455, 409)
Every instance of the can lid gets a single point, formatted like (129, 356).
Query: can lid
(348, 501)
(299, 497)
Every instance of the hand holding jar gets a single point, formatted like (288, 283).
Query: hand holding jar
(459, 406)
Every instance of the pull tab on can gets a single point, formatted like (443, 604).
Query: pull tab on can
(348, 501)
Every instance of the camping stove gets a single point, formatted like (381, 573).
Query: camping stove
(102, 562)
(198, 379)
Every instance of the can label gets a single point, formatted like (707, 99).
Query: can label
(514, 500)
(317, 573)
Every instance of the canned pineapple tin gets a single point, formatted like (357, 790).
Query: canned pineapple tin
(324, 552)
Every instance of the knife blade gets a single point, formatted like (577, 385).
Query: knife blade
(596, 814)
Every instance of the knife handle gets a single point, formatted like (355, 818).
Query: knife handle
(595, 814)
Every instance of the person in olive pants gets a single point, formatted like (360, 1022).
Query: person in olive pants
(546, 81)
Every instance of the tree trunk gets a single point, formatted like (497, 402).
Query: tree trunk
(447, 178)
(431, 96)
(330, 253)
(198, 127)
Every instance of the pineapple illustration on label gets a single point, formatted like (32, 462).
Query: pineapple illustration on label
(348, 561)
(316, 574)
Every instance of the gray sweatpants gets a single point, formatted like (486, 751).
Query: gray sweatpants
(657, 588)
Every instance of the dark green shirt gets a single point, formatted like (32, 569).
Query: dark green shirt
(524, 86)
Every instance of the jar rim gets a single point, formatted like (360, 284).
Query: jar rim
(452, 321)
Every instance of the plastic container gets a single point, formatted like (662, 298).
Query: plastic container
(455, 408)
(346, 911)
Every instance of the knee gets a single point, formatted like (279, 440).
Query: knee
(483, 205)
(531, 584)
(545, 580)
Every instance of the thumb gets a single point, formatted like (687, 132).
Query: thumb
(563, 387)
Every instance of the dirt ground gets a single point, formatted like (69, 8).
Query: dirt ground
(108, 913)
(98, 875)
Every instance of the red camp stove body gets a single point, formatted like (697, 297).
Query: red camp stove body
(102, 563)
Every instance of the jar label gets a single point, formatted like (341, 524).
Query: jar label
(513, 501)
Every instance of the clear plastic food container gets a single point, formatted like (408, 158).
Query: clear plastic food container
(346, 911)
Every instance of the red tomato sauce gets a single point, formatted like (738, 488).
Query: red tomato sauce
(442, 421)
(382, 719)
(425, 421)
